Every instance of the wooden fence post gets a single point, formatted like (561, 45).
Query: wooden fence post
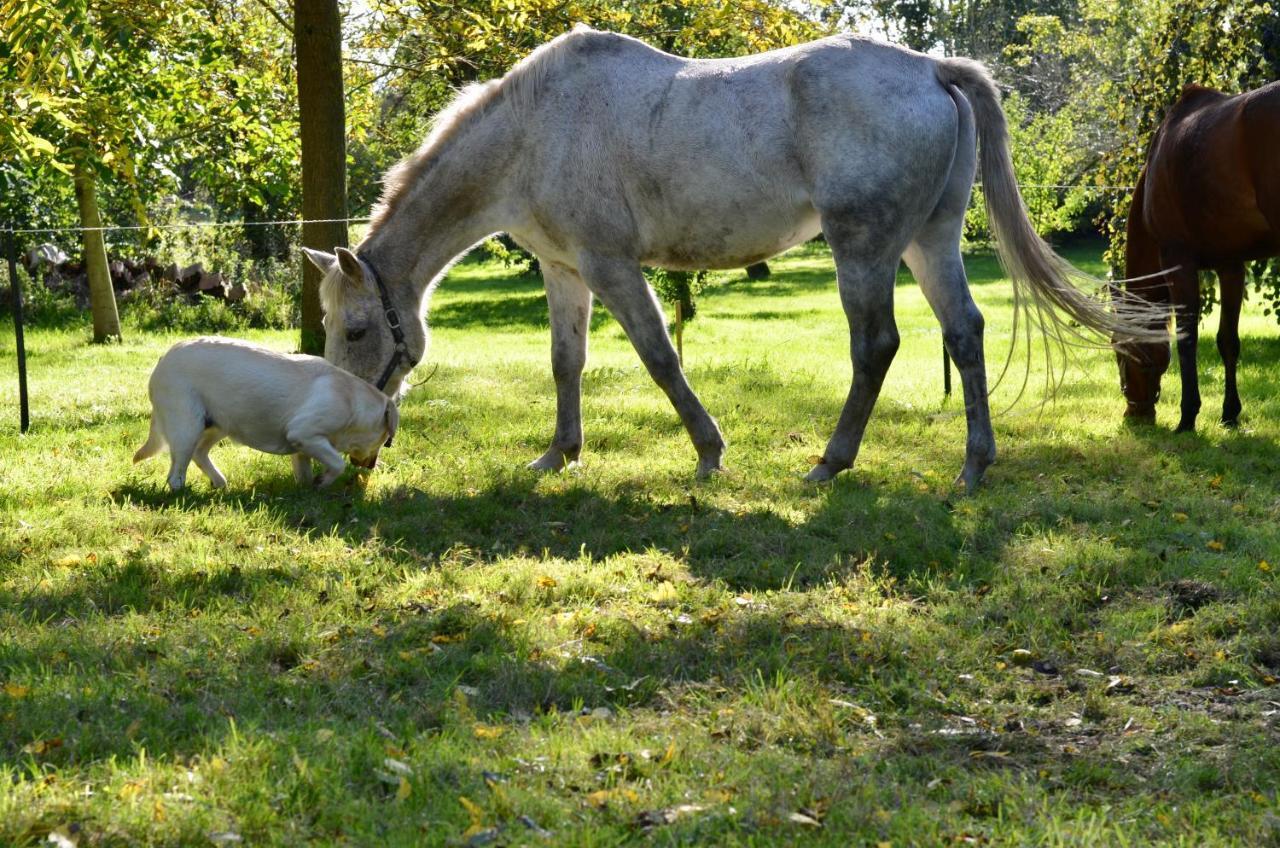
(15, 287)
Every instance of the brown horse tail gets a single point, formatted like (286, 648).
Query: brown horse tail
(1044, 282)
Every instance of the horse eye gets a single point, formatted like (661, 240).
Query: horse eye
(356, 335)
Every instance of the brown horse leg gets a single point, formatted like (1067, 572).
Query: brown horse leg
(1231, 282)
(1184, 285)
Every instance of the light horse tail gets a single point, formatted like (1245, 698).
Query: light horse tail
(1044, 283)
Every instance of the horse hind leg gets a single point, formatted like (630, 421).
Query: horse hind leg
(936, 264)
(1184, 288)
(569, 302)
(621, 287)
(866, 285)
(1231, 283)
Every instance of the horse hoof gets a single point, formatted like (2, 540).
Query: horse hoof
(555, 460)
(708, 470)
(1185, 427)
(1231, 423)
(821, 473)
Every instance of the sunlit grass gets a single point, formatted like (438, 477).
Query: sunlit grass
(620, 653)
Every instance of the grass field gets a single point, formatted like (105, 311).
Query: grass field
(461, 653)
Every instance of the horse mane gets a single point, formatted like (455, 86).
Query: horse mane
(518, 88)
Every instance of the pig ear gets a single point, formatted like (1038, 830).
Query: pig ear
(320, 259)
(352, 266)
(391, 418)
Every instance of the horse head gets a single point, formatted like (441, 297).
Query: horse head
(1141, 367)
(367, 332)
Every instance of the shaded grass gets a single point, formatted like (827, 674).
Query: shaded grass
(619, 654)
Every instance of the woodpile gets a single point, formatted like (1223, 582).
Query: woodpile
(129, 276)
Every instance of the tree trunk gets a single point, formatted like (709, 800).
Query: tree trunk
(317, 28)
(102, 298)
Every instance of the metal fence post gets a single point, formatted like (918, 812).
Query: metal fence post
(15, 286)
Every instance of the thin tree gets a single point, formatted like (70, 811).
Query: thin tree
(102, 297)
(317, 29)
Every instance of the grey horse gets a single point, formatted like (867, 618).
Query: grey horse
(600, 154)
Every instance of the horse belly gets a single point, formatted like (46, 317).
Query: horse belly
(731, 240)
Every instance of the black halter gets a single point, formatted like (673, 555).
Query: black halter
(393, 321)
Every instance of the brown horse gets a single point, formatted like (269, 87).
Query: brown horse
(1208, 199)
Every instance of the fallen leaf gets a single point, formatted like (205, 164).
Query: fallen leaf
(488, 731)
(546, 581)
(477, 835)
(473, 809)
(653, 818)
(16, 690)
(397, 767)
(801, 818)
(1215, 545)
(1180, 516)
(533, 826)
(1264, 566)
(324, 734)
(602, 797)
(1119, 685)
(1022, 657)
(404, 790)
(42, 746)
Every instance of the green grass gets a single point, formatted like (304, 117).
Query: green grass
(619, 654)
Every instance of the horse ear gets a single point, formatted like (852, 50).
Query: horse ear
(351, 265)
(320, 259)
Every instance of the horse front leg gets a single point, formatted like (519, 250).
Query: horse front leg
(1185, 290)
(622, 288)
(1231, 283)
(569, 302)
(866, 292)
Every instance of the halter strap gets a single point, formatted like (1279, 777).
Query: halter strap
(393, 321)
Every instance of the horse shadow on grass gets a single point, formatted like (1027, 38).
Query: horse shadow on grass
(890, 527)
(396, 672)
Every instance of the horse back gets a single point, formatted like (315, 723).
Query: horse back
(1201, 188)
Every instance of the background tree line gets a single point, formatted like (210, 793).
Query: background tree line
(177, 111)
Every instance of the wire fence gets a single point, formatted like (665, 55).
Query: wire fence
(189, 225)
(11, 235)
